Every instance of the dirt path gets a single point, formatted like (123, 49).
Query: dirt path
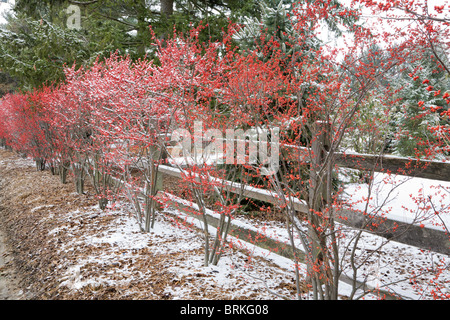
(9, 282)
(9, 289)
(27, 254)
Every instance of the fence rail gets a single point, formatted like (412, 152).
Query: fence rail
(428, 169)
(421, 168)
(435, 170)
(432, 239)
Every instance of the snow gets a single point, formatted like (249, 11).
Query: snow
(132, 33)
(166, 238)
(19, 163)
(125, 234)
(392, 265)
(405, 199)
(4, 9)
(41, 207)
(394, 262)
(388, 263)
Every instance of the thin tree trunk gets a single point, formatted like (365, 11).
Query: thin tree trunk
(63, 171)
(166, 8)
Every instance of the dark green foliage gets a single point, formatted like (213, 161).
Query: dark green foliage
(36, 43)
(411, 121)
(7, 84)
(34, 52)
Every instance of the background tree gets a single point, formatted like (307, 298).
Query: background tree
(411, 120)
(7, 84)
(421, 32)
(126, 22)
(36, 42)
(34, 52)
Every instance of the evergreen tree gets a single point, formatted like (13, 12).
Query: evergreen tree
(37, 40)
(129, 20)
(34, 52)
(419, 107)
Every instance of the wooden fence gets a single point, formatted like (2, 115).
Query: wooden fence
(430, 239)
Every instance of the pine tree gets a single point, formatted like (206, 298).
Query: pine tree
(419, 107)
(34, 52)
(37, 41)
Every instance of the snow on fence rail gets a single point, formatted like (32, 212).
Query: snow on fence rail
(420, 168)
(247, 191)
(428, 169)
(407, 233)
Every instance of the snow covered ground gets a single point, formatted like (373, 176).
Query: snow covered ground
(387, 264)
(405, 199)
(234, 276)
(249, 272)
(242, 274)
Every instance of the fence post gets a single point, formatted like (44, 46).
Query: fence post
(320, 144)
(317, 201)
(153, 186)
